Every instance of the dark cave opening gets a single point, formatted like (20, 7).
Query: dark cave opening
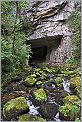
(43, 50)
(38, 53)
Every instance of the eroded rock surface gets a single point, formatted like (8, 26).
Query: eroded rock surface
(50, 28)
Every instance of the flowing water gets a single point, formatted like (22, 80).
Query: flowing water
(55, 97)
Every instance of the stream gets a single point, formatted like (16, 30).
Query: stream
(55, 97)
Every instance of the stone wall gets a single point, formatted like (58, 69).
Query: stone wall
(49, 19)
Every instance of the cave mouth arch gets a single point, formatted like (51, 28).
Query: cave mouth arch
(42, 48)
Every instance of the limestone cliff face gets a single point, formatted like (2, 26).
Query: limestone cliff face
(51, 30)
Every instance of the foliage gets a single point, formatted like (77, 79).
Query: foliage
(14, 51)
(74, 23)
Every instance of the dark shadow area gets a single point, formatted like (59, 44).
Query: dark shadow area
(38, 53)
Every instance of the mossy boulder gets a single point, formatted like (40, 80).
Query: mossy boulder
(15, 107)
(39, 83)
(40, 95)
(50, 69)
(69, 112)
(30, 80)
(77, 91)
(58, 81)
(72, 99)
(71, 108)
(38, 71)
(71, 73)
(29, 117)
(75, 84)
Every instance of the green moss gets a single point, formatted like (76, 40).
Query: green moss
(75, 82)
(71, 107)
(72, 99)
(40, 95)
(43, 76)
(70, 111)
(39, 83)
(38, 71)
(30, 80)
(58, 80)
(77, 120)
(27, 117)
(77, 91)
(50, 69)
(15, 105)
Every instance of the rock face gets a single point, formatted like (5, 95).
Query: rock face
(51, 31)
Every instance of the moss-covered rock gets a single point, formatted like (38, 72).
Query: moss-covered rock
(30, 80)
(72, 99)
(58, 81)
(75, 84)
(15, 107)
(39, 83)
(77, 91)
(29, 117)
(71, 108)
(69, 112)
(40, 95)
(71, 73)
(50, 69)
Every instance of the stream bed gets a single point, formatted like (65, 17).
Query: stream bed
(49, 110)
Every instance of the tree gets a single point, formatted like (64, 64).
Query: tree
(14, 51)
(74, 22)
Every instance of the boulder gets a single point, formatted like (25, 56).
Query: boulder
(29, 117)
(48, 110)
(15, 107)
(40, 95)
(30, 80)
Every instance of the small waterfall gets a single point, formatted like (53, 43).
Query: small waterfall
(32, 108)
(57, 117)
(66, 85)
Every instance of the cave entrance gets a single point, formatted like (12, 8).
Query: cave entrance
(43, 49)
(38, 54)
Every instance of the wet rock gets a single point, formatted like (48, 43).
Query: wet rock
(48, 110)
(15, 107)
(39, 96)
(29, 117)
(57, 96)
